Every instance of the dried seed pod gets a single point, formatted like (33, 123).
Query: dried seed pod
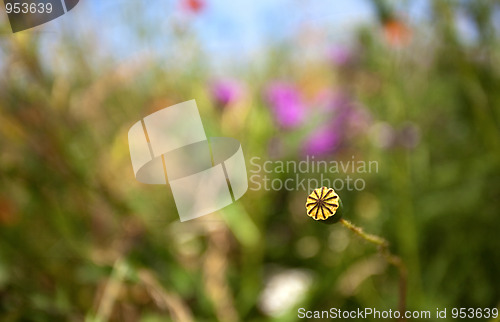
(322, 203)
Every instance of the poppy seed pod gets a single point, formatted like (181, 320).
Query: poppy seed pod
(323, 205)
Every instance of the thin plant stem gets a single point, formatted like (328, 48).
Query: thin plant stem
(383, 248)
(111, 291)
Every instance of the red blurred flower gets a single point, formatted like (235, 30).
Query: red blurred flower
(194, 6)
(396, 32)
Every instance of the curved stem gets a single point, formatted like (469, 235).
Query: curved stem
(383, 248)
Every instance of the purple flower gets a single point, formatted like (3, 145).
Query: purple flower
(322, 141)
(226, 91)
(345, 120)
(286, 104)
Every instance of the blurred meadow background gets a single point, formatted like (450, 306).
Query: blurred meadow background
(413, 85)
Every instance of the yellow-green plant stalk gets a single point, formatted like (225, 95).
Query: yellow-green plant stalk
(323, 205)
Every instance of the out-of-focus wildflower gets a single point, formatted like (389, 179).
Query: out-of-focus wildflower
(322, 141)
(226, 91)
(344, 121)
(283, 290)
(396, 32)
(194, 6)
(286, 104)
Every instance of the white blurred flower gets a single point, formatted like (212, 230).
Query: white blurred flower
(283, 290)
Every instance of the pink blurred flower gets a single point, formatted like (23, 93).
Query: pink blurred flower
(286, 104)
(226, 91)
(345, 120)
(322, 141)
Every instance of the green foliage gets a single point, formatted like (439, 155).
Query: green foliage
(82, 239)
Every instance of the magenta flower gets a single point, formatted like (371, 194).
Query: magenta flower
(286, 104)
(226, 91)
(345, 120)
(322, 141)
